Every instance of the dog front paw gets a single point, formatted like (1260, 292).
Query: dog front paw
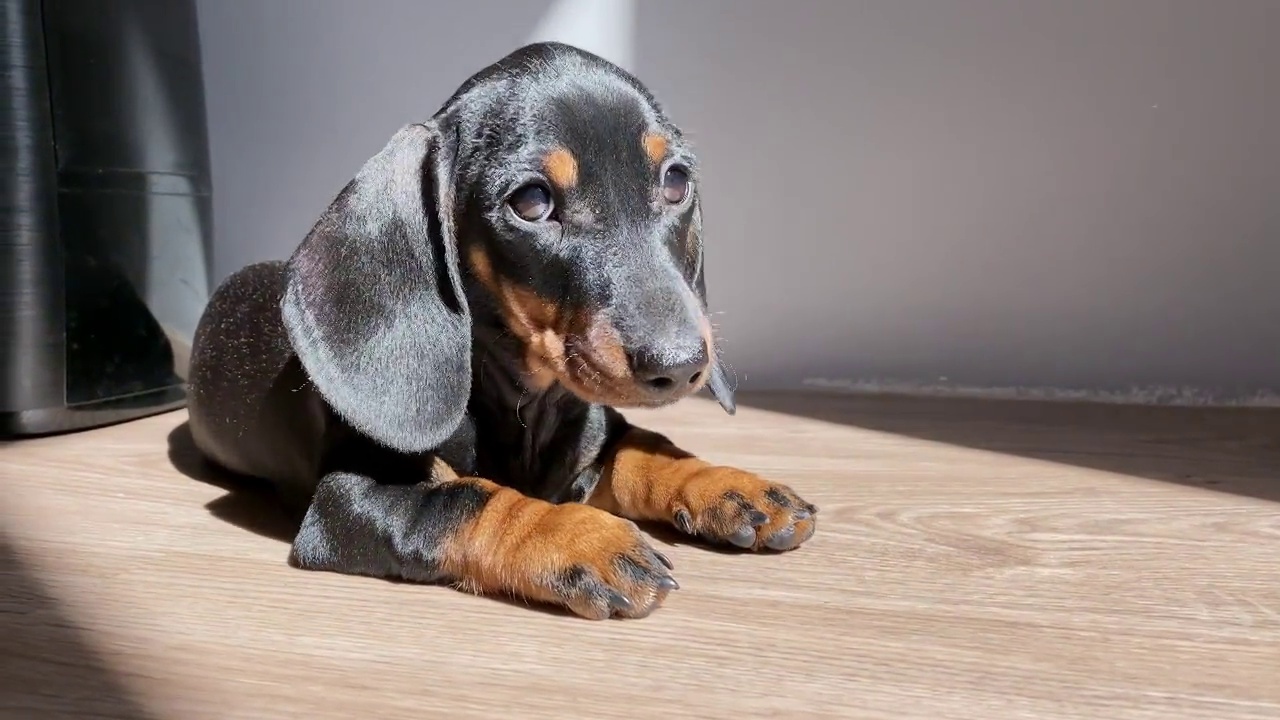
(590, 562)
(734, 507)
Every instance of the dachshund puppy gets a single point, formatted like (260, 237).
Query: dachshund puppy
(433, 378)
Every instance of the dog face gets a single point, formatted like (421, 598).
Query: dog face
(549, 198)
(581, 223)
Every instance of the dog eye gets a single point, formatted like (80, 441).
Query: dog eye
(531, 202)
(675, 185)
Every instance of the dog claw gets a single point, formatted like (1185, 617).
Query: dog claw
(666, 562)
(744, 537)
(781, 540)
(618, 602)
(758, 518)
(668, 583)
(684, 521)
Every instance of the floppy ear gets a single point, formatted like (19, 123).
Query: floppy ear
(718, 382)
(374, 305)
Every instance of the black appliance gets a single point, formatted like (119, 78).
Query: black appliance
(105, 210)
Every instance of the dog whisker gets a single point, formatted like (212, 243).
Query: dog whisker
(734, 371)
(593, 375)
(518, 403)
(490, 351)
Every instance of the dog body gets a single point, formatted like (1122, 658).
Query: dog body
(433, 378)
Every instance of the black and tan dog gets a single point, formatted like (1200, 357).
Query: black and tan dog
(431, 379)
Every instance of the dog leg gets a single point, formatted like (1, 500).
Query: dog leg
(483, 538)
(646, 477)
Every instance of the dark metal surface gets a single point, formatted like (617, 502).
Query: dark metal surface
(102, 113)
(31, 297)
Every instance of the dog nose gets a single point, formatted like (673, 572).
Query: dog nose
(669, 371)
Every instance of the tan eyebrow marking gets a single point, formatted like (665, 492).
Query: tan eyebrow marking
(655, 146)
(561, 167)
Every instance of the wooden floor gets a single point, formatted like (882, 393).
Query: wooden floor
(973, 560)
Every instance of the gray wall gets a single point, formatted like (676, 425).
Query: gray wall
(998, 192)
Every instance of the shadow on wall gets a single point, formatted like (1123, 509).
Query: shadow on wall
(1231, 450)
(48, 671)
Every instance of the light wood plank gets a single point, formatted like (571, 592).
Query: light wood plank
(973, 560)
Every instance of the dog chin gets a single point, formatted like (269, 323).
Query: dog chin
(620, 397)
(613, 395)
(581, 370)
(592, 391)
(655, 404)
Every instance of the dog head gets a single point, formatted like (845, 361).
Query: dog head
(551, 199)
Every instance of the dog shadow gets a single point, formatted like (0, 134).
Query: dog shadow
(248, 504)
(251, 505)
(671, 537)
